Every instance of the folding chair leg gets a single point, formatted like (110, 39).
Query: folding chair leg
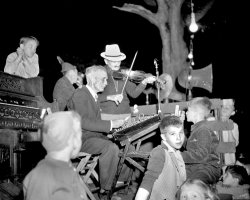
(86, 168)
(89, 193)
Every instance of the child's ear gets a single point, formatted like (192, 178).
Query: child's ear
(163, 137)
(236, 180)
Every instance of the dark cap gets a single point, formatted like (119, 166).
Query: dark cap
(67, 66)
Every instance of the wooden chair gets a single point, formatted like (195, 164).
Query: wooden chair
(85, 166)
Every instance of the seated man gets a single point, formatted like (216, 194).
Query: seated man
(54, 177)
(95, 130)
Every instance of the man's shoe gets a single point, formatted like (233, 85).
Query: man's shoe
(103, 195)
(119, 183)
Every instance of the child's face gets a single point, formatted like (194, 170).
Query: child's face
(73, 74)
(79, 80)
(29, 48)
(229, 180)
(192, 192)
(227, 111)
(174, 136)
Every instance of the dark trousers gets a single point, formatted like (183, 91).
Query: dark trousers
(108, 160)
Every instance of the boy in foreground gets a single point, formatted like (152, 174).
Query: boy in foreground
(54, 177)
(166, 168)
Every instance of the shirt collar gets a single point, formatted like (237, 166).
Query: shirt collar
(169, 148)
(92, 92)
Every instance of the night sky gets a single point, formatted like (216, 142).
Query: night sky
(79, 30)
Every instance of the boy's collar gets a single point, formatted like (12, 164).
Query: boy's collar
(167, 146)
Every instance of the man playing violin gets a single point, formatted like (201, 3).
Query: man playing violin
(114, 99)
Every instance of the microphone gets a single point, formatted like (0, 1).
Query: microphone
(155, 62)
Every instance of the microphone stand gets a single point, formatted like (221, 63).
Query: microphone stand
(157, 86)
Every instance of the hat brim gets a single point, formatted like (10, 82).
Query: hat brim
(121, 57)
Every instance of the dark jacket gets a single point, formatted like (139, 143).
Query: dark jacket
(63, 92)
(53, 180)
(201, 146)
(115, 87)
(92, 124)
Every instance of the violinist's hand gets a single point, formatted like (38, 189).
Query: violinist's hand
(110, 136)
(117, 123)
(149, 79)
(117, 98)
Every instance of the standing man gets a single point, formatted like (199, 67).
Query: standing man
(64, 88)
(113, 100)
(95, 130)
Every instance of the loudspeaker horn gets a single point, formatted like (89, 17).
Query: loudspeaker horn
(202, 78)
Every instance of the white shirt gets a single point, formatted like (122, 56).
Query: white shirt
(92, 92)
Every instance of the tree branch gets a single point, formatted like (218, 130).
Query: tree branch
(139, 10)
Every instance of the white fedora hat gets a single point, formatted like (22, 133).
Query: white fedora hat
(113, 53)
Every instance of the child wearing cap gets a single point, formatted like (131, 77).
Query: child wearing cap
(54, 177)
(166, 168)
(24, 62)
(64, 88)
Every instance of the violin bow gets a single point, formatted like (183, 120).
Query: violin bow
(129, 72)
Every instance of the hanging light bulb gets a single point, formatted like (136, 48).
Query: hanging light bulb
(190, 55)
(193, 27)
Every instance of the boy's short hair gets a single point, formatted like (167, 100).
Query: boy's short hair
(203, 102)
(170, 120)
(239, 172)
(57, 129)
(24, 40)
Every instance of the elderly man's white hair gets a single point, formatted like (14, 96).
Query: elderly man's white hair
(91, 72)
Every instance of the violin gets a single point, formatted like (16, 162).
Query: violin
(136, 76)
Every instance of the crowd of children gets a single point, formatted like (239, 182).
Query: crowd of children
(168, 174)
